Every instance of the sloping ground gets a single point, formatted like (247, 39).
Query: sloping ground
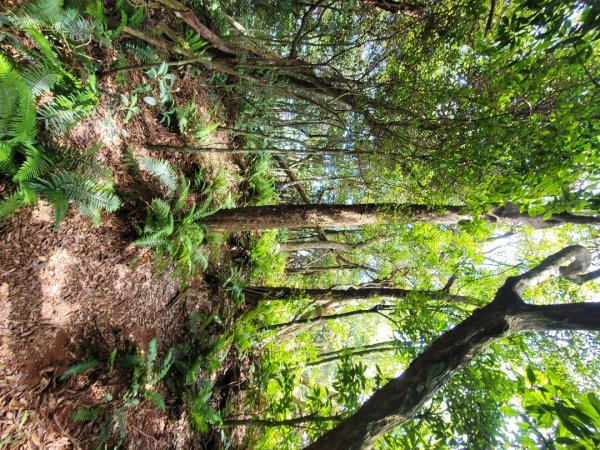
(78, 284)
(58, 287)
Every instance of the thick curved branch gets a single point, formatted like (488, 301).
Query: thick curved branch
(400, 399)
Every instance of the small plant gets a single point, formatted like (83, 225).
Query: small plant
(164, 81)
(129, 106)
(192, 124)
(261, 181)
(14, 440)
(201, 413)
(171, 229)
(145, 375)
(268, 261)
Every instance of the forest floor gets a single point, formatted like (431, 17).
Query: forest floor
(64, 290)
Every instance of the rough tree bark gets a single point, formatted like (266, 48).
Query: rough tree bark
(327, 215)
(400, 399)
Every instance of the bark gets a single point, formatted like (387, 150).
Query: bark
(328, 215)
(329, 245)
(300, 189)
(272, 150)
(320, 269)
(409, 9)
(278, 423)
(260, 293)
(374, 310)
(363, 350)
(400, 399)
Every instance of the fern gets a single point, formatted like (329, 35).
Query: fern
(35, 164)
(162, 171)
(86, 414)
(143, 53)
(62, 188)
(151, 356)
(40, 79)
(164, 368)
(63, 112)
(10, 204)
(7, 163)
(156, 399)
(80, 368)
(37, 14)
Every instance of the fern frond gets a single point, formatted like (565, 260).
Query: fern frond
(23, 127)
(86, 414)
(143, 53)
(64, 112)
(156, 399)
(162, 171)
(184, 190)
(10, 204)
(43, 44)
(80, 368)
(94, 214)
(12, 88)
(40, 79)
(7, 163)
(164, 367)
(151, 356)
(76, 27)
(60, 189)
(37, 14)
(36, 163)
(132, 163)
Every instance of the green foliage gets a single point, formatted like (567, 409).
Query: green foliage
(80, 368)
(58, 176)
(202, 415)
(171, 229)
(192, 124)
(13, 440)
(267, 259)
(261, 181)
(86, 414)
(145, 369)
(560, 416)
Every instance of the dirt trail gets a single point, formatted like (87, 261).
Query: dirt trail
(62, 286)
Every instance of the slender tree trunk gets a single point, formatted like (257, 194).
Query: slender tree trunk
(320, 269)
(374, 310)
(327, 215)
(278, 423)
(400, 399)
(329, 245)
(261, 293)
(363, 350)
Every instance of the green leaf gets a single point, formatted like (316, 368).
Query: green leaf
(80, 368)
(86, 414)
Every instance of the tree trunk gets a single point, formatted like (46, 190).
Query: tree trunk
(329, 245)
(261, 293)
(379, 347)
(374, 310)
(320, 269)
(309, 216)
(400, 399)
(278, 423)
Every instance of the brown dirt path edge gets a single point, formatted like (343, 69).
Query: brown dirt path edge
(61, 286)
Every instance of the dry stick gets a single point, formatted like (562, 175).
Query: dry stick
(147, 66)
(272, 150)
